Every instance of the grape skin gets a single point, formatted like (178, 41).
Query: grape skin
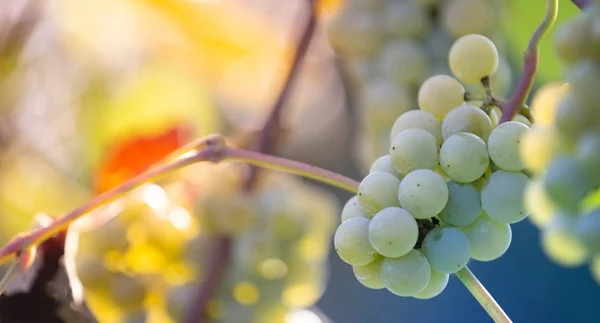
(439, 94)
(447, 249)
(436, 286)
(393, 232)
(467, 118)
(502, 196)
(546, 100)
(405, 19)
(352, 209)
(407, 275)
(418, 119)
(464, 157)
(503, 145)
(463, 206)
(588, 155)
(414, 149)
(384, 164)
(356, 33)
(384, 101)
(561, 243)
(405, 62)
(540, 145)
(473, 57)
(537, 203)
(462, 17)
(351, 241)
(423, 193)
(370, 275)
(378, 191)
(588, 229)
(489, 238)
(574, 118)
(566, 182)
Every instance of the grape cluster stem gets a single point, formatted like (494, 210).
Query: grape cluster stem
(530, 59)
(484, 298)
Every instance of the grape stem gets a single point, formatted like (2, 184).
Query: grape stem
(530, 59)
(484, 298)
(582, 4)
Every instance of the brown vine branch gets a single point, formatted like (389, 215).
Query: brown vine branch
(266, 143)
(582, 4)
(215, 151)
(530, 59)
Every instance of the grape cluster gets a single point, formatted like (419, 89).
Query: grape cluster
(563, 151)
(390, 47)
(447, 191)
(143, 265)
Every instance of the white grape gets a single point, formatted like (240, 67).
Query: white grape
(463, 206)
(356, 33)
(546, 101)
(352, 209)
(473, 57)
(436, 286)
(540, 145)
(464, 157)
(588, 229)
(414, 149)
(502, 196)
(588, 155)
(405, 18)
(423, 193)
(418, 119)
(439, 94)
(407, 275)
(393, 232)
(462, 17)
(537, 203)
(467, 118)
(384, 164)
(566, 182)
(561, 243)
(352, 244)
(378, 191)
(489, 238)
(404, 61)
(370, 275)
(382, 101)
(447, 249)
(503, 145)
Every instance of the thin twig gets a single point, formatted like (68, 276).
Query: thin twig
(582, 4)
(530, 59)
(267, 141)
(484, 298)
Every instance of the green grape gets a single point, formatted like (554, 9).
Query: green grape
(382, 102)
(371, 145)
(378, 191)
(384, 164)
(495, 115)
(436, 286)
(489, 238)
(463, 17)
(414, 149)
(500, 82)
(393, 232)
(595, 268)
(522, 119)
(537, 203)
(363, 70)
(572, 41)
(588, 155)
(467, 118)
(582, 77)
(405, 19)
(502, 196)
(418, 119)
(588, 229)
(574, 118)
(439, 94)
(352, 244)
(561, 243)
(355, 33)
(473, 57)
(423, 193)
(127, 292)
(404, 61)
(447, 249)
(370, 275)
(546, 101)
(352, 209)
(407, 275)
(540, 145)
(464, 157)
(438, 44)
(463, 206)
(566, 182)
(503, 145)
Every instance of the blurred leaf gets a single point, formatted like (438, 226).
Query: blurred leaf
(524, 17)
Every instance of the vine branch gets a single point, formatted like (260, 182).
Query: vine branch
(530, 59)
(484, 298)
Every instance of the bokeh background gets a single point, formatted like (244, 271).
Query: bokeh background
(81, 80)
